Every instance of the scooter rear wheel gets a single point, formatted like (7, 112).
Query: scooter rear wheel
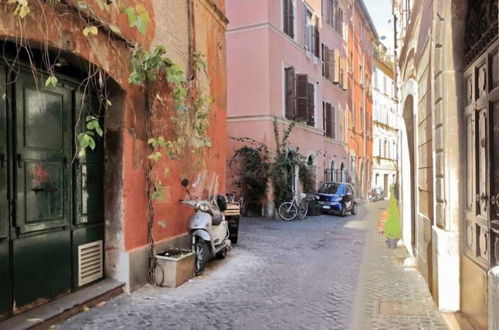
(202, 255)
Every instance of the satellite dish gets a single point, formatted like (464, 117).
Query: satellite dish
(382, 38)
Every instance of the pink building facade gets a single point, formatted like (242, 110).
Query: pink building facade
(286, 60)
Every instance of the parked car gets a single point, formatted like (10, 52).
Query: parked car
(338, 198)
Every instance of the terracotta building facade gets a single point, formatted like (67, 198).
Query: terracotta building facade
(58, 211)
(362, 38)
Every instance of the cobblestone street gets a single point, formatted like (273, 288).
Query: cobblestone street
(320, 273)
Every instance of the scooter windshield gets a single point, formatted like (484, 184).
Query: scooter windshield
(204, 187)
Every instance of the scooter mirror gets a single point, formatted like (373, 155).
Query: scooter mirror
(185, 182)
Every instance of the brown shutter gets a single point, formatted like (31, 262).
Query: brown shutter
(285, 15)
(291, 19)
(288, 17)
(317, 37)
(301, 97)
(327, 62)
(334, 65)
(290, 93)
(342, 125)
(328, 120)
(311, 105)
(333, 124)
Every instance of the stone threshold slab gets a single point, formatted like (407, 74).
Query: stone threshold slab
(63, 308)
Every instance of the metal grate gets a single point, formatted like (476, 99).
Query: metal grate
(90, 265)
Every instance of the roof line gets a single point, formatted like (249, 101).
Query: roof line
(368, 17)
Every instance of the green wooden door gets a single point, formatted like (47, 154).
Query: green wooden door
(42, 247)
(52, 231)
(5, 287)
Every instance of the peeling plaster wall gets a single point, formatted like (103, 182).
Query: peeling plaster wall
(126, 138)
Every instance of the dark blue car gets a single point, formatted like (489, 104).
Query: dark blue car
(338, 198)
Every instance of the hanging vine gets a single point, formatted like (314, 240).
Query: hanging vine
(163, 80)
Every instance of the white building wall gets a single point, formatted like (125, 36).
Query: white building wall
(385, 131)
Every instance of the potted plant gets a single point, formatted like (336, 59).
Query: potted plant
(174, 267)
(392, 228)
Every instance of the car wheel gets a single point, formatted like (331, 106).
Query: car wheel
(354, 209)
(202, 255)
(343, 211)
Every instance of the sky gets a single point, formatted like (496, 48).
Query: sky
(381, 14)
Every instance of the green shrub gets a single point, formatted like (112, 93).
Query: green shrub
(392, 226)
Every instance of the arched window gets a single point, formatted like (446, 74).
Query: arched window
(310, 161)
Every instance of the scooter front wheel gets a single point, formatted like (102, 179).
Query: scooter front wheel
(202, 255)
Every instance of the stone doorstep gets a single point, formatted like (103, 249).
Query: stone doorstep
(63, 308)
(457, 321)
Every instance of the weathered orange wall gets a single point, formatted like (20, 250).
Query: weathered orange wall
(360, 96)
(112, 54)
(171, 218)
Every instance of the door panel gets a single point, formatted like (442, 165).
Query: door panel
(42, 250)
(89, 192)
(5, 287)
(42, 268)
(42, 156)
(494, 183)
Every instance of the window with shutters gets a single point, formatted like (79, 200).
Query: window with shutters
(328, 121)
(311, 105)
(290, 92)
(302, 97)
(312, 39)
(333, 117)
(288, 17)
(326, 64)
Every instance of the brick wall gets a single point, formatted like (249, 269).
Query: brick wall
(172, 29)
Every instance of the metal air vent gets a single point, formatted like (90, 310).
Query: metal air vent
(90, 265)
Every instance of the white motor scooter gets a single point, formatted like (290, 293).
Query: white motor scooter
(208, 227)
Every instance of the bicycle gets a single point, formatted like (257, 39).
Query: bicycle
(291, 210)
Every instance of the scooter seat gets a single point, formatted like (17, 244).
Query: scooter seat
(217, 220)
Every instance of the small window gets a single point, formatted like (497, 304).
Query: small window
(312, 39)
(288, 17)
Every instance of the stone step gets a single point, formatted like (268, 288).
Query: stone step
(63, 308)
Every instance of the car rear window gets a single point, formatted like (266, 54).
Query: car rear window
(332, 188)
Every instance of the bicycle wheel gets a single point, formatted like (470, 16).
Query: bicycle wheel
(288, 211)
(302, 210)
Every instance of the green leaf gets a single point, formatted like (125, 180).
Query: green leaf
(132, 16)
(52, 80)
(156, 156)
(91, 143)
(143, 23)
(99, 130)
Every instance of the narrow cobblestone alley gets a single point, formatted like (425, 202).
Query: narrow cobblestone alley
(283, 275)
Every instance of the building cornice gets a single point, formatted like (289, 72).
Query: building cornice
(415, 10)
(368, 18)
(216, 12)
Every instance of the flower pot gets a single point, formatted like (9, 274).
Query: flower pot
(175, 266)
(392, 243)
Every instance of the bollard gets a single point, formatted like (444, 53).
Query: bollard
(494, 299)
